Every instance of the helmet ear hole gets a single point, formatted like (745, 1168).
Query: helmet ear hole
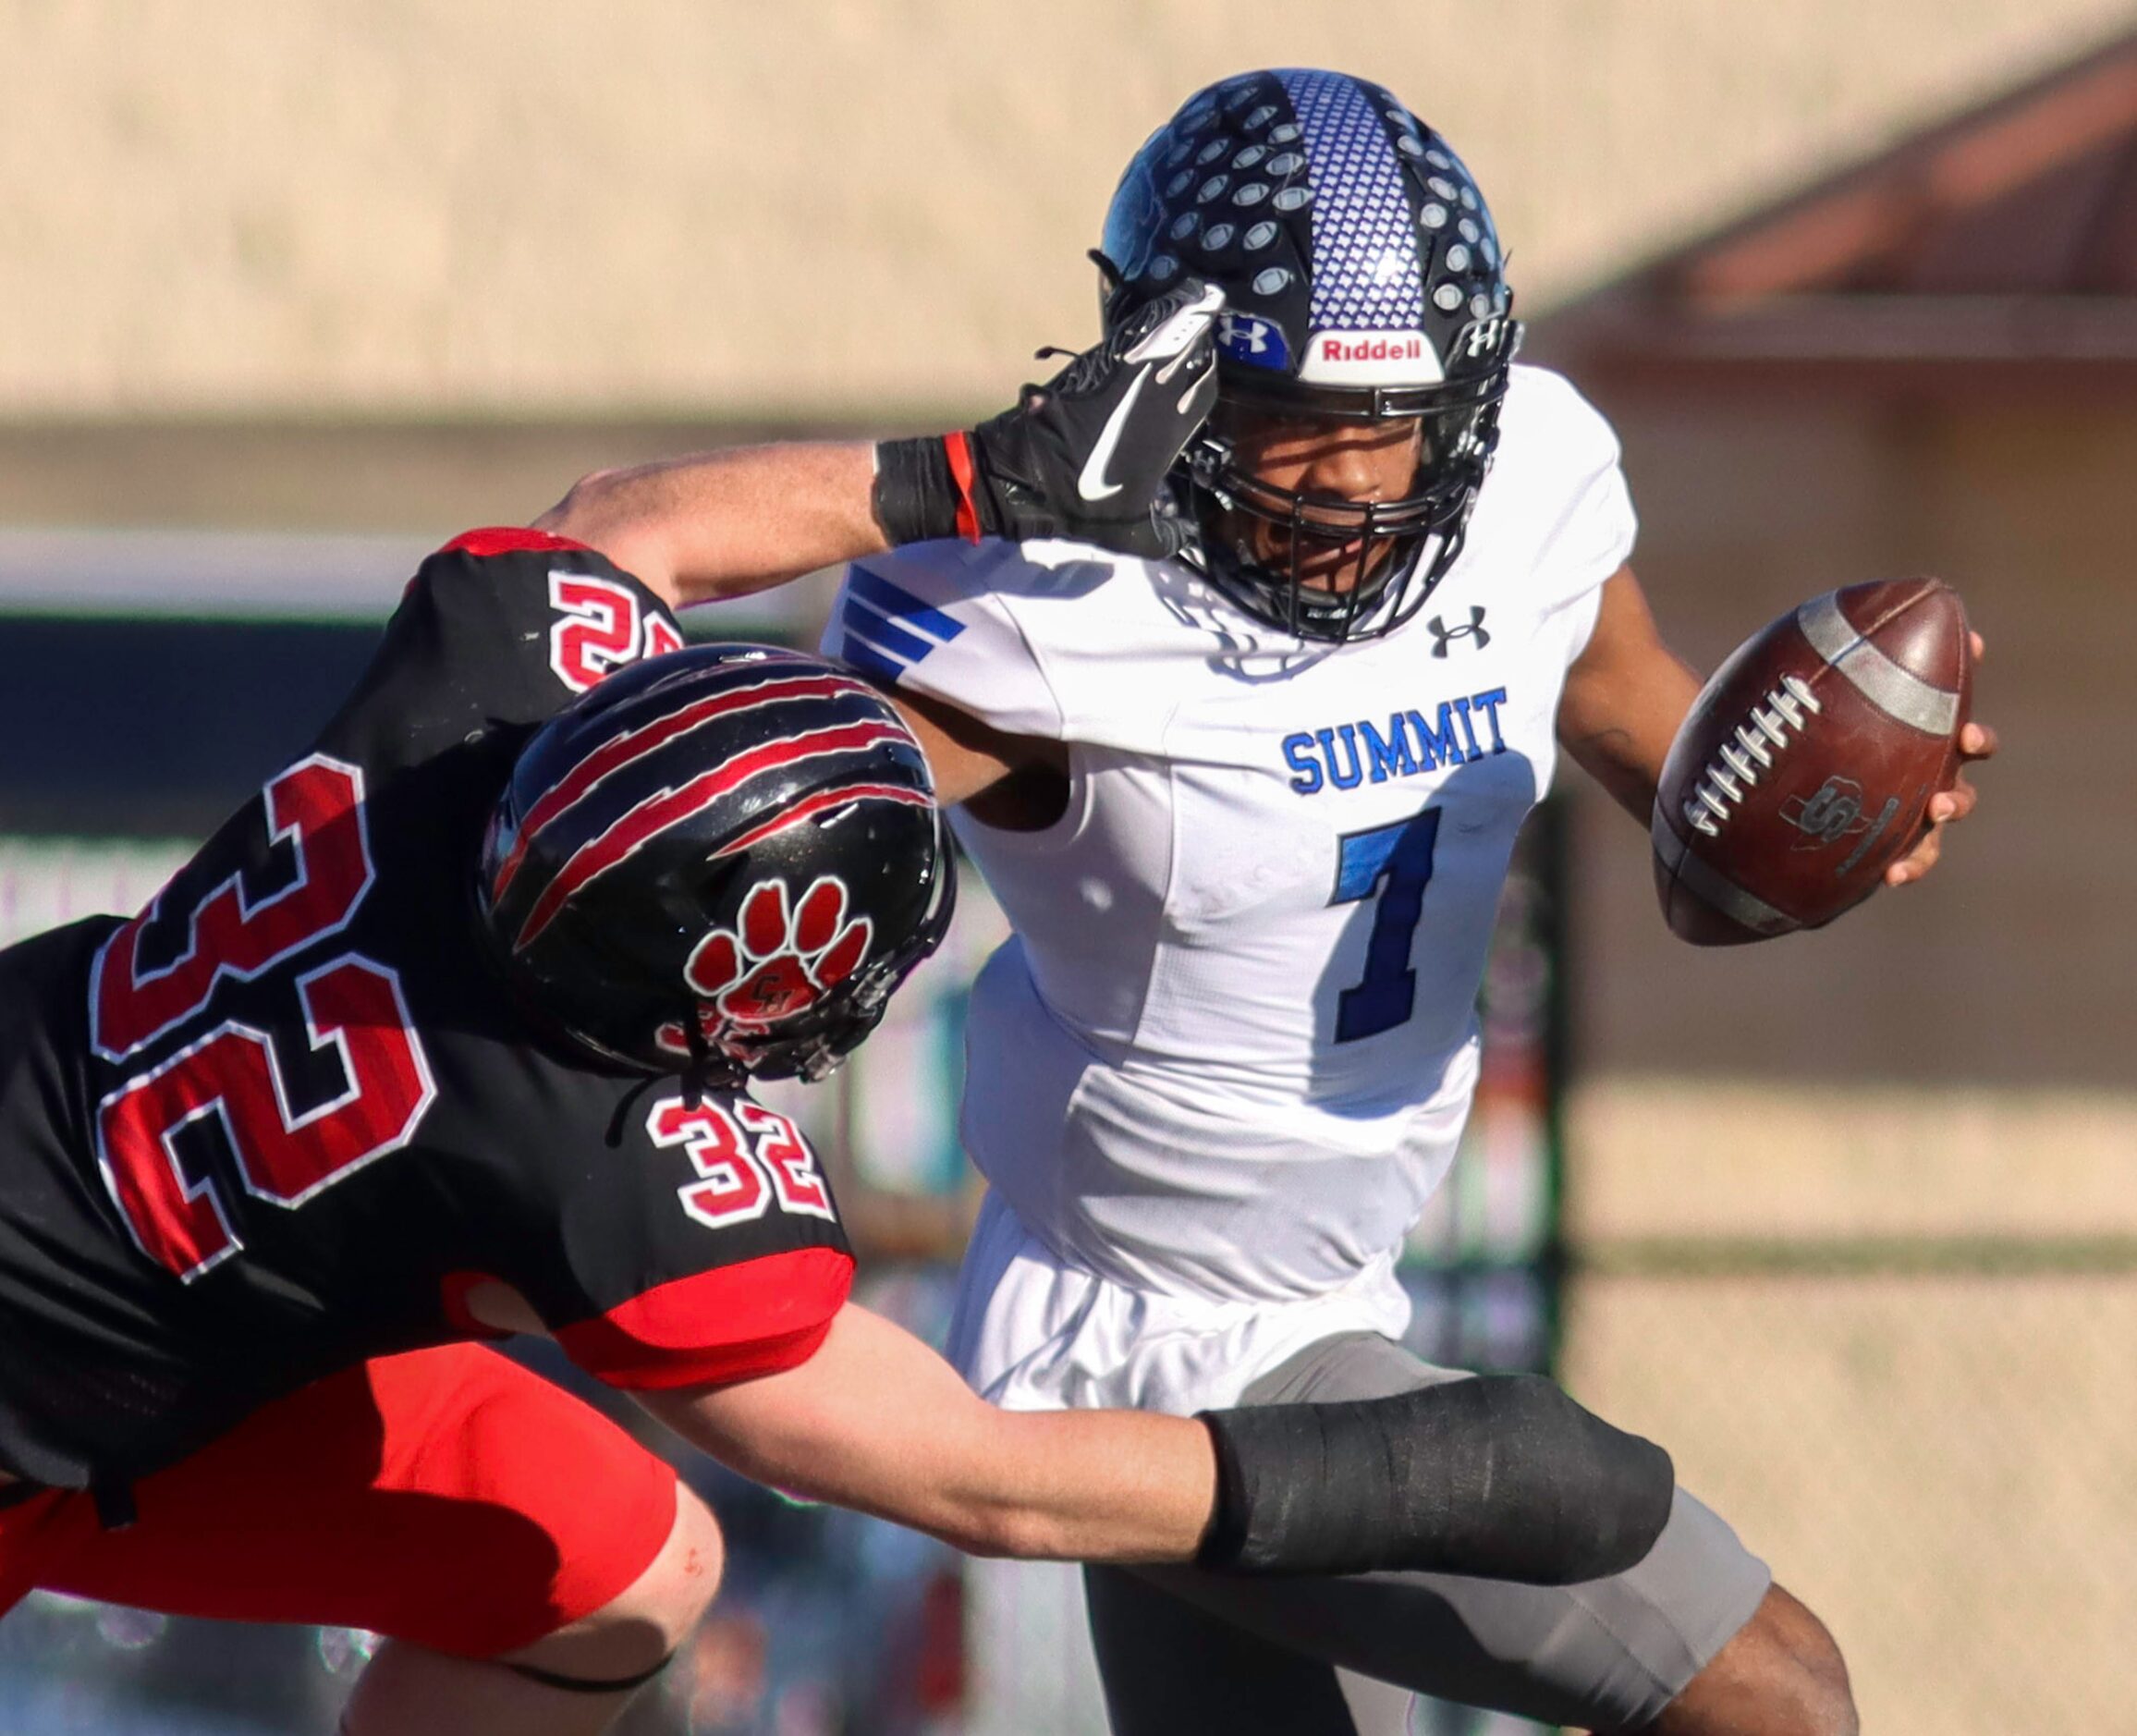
(605, 919)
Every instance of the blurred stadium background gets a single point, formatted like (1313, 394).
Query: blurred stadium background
(295, 293)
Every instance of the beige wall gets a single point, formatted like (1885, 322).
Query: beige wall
(2017, 963)
(1859, 1209)
(808, 210)
(1938, 1464)
(1673, 1159)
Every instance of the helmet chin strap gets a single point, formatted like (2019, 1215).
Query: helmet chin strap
(780, 1057)
(698, 1076)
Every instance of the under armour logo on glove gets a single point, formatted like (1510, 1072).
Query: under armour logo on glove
(781, 962)
(1443, 635)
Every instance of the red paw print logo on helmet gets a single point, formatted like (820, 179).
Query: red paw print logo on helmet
(778, 962)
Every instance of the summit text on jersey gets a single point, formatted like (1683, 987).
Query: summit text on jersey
(1344, 755)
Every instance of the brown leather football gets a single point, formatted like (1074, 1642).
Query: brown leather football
(1805, 766)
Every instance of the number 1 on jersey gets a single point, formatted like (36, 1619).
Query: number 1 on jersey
(1393, 862)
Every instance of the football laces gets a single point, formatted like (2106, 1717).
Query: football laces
(1739, 763)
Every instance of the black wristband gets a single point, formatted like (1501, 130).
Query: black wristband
(917, 497)
(1500, 1476)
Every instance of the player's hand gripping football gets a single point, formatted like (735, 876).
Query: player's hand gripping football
(1084, 455)
(1976, 741)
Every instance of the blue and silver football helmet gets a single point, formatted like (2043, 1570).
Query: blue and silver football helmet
(1365, 283)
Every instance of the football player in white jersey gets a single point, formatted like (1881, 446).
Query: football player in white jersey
(1249, 807)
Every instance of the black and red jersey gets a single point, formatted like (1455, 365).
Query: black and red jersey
(282, 1121)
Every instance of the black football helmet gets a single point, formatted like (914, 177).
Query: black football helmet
(718, 862)
(1365, 283)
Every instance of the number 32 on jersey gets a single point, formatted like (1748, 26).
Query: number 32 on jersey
(747, 1156)
(232, 1073)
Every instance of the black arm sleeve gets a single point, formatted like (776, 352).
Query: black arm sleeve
(1501, 1476)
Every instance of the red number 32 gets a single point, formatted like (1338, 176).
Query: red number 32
(351, 1005)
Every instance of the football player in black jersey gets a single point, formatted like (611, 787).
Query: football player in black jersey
(446, 1036)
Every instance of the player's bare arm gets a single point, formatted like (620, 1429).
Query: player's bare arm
(726, 523)
(1627, 694)
(1084, 455)
(1017, 783)
(1502, 1476)
(877, 1421)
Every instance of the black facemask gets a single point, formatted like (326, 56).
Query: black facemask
(1403, 547)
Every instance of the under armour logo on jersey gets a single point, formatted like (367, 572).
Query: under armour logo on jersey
(1444, 635)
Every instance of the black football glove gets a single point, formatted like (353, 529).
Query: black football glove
(1084, 455)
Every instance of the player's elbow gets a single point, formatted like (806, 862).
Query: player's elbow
(994, 1533)
(580, 513)
(622, 514)
(1003, 1531)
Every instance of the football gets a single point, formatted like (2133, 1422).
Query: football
(1805, 766)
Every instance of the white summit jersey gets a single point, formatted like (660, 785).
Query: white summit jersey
(1228, 1051)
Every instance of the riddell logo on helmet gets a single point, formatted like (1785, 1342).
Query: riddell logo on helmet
(1373, 349)
(1372, 359)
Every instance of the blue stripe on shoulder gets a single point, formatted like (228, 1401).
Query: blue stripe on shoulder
(856, 617)
(864, 657)
(895, 600)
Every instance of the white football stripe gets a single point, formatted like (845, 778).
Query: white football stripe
(1898, 693)
(1712, 888)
